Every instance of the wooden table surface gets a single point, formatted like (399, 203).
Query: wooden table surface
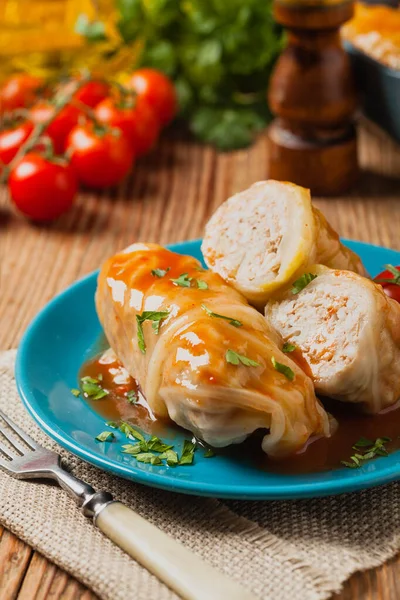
(168, 198)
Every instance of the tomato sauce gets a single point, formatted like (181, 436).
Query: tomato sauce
(116, 406)
(323, 454)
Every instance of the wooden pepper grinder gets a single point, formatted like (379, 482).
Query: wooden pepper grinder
(313, 140)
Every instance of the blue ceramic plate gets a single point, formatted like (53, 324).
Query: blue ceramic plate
(61, 338)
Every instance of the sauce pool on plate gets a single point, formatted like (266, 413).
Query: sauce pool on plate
(125, 402)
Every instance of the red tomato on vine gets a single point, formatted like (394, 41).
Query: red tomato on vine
(100, 158)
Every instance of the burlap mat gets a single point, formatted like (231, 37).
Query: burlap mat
(281, 550)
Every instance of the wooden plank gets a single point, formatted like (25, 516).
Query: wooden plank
(14, 560)
(45, 581)
(169, 197)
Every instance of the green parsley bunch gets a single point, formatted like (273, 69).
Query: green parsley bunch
(219, 54)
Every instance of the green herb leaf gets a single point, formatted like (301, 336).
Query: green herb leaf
(188, 451)
(157, 445)
(363, 442)
(171, 457)
(140, 335)
(149, 315)
(202, 285)
(131, 449)
(92, 389)
(88, 379)
(160, 272)
(372, 450)
(148, 457)
(209, 453)
(182, 281)
(288, 347)
(302, 282)
(210, 313)
(132, 396)
(234, 358)
(156, 327)
(185, 281)
(131, 432)
(75, 392)
(112, 424)
(105, 436)
(284, 369)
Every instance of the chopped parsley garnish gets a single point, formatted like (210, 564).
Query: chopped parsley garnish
(234, 358)
(182, 281)
(112, 424)
(210, 313)
(171, 457)
(75, 392)
(132, 396)
(92, 388)
(149, 315)
(185, 281)
(371, 450)
(288, 347)
(148, 457)
(202, 285)
(132, 449)
(160, 272)
(188, 451)
(157, 445)
(131, 432)
(302, 282)
(396, 276)
(209, 453)
(105, 436)
(284, 369)
(154, 450)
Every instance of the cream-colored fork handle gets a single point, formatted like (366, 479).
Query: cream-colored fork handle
(171, 562)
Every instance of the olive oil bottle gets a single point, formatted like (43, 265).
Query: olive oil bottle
(46, 37)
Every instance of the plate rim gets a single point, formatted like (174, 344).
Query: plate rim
(276, 491)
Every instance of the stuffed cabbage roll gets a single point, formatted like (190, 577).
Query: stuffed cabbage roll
(202, 356)
(348, 331)
(260, 238)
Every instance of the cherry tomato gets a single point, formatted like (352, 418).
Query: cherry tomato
(100, 158)
(59, 129)
(12, 139)
(91, 93)
(40, 188)
(138, 123)
(18, 92)
(391, 289)
(157, 91)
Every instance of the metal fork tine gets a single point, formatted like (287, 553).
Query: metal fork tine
(6, 451)
(12, 439)
(4, 464)
(24, 436)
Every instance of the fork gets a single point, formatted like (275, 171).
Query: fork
(170, 561)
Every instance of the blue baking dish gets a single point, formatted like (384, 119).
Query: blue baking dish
(379, 89)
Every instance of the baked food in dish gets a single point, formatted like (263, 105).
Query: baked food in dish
(202, 356)
(259, 239)
(348, 331)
